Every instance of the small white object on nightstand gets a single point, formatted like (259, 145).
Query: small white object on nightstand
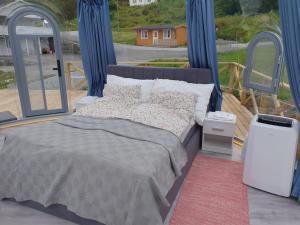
(218, 132)
(85, 101)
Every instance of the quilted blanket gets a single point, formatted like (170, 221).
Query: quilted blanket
(114, 171)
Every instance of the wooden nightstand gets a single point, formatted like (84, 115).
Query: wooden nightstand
(218, 136)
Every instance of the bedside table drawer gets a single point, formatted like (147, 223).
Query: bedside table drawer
(219, 128)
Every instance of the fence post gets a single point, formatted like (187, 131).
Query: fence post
(69, 84)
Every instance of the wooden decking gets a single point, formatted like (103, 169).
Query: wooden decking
(9, 101)
(232, 105)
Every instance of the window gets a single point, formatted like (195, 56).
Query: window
(135, 28)
(264, 61)
(144, 34)
(167, 34)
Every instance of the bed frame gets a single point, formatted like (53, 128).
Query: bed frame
(192, 142)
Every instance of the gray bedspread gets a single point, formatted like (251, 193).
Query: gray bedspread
(114, 171)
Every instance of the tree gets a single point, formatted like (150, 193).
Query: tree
(250, 8)
(227, 7)
(68, 7)
(269, 5)
(113, 5)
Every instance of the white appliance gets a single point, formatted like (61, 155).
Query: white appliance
(271, 154)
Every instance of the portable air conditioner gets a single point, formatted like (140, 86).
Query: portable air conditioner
(271, 154)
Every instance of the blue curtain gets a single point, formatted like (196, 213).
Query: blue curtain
(296, 183)
(96, 43)
(202, 49)
(290, 25)
(289, 11)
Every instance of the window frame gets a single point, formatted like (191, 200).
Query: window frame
(167, 37)
(146, 36)
(277, 69)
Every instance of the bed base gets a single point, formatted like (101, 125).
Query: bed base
(192, 144)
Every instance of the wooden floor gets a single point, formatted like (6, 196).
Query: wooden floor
(232, 105)
(9, 101)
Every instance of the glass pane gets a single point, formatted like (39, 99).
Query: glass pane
(51, 79)
(264, 60)
(153, 34)
(32, 73)
(41, 29)
(33, 25)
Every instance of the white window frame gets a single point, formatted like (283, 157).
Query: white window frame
(166, 34)
(144, 37)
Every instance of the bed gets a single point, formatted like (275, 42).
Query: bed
(191, 143)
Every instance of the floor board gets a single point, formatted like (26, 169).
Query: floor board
(232, 105)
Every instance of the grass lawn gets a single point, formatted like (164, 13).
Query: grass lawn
(243, 29)
(238, 56)
(6, 78)
(224, 77)
(124, 37)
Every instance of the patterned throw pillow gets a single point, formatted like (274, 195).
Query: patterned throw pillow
(133, 91)
(181, 103)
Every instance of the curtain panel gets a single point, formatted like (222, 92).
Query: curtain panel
(202, 51)
(96, 42)
(289, 11)
(290, 25)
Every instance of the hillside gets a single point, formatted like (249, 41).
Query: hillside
(236, 19)
(162, 12)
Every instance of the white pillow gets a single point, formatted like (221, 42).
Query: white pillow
(146, 85)
(202, 91)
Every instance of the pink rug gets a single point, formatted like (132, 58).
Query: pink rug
(213, 194)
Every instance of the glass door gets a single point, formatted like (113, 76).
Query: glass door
(264, 62)
(38, 62)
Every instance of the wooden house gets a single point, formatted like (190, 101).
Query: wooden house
(141, 2)
(161, 35)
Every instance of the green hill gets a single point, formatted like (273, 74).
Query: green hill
(236, 19)
(232, 22)
(125, 17)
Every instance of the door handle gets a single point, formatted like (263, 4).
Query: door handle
(217, 129)
(58, 68)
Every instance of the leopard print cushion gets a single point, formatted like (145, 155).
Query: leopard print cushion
(183, 104)
(154, 115)
(133, 91)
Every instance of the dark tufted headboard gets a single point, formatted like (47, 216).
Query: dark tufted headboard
(193, 75)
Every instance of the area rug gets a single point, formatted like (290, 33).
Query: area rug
(213, 194)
